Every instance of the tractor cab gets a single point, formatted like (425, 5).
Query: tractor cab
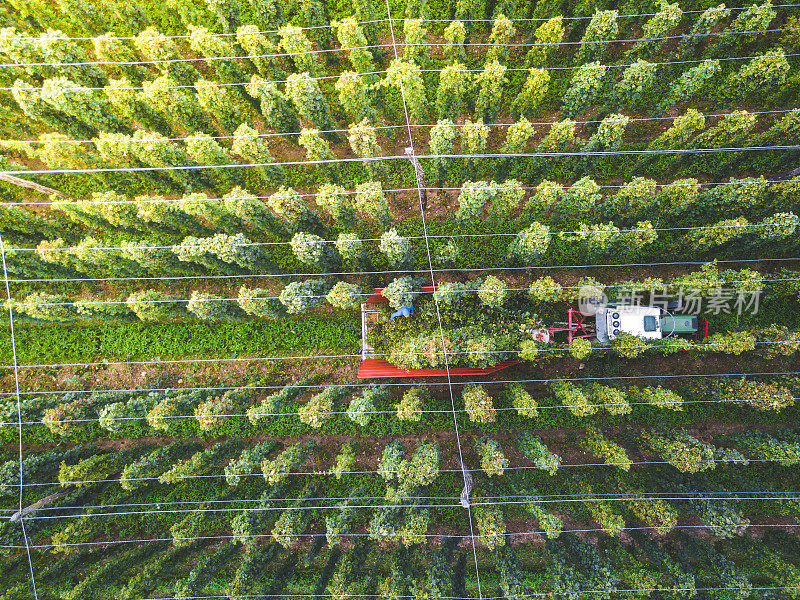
(649, 322)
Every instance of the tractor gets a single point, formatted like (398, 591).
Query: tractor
(596, 319)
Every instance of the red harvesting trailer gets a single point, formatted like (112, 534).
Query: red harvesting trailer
(375, 368)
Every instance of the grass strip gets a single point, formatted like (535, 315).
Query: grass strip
(88, 342)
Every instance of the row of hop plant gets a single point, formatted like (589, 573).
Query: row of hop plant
(297, 297)
(285, 213)
(687, 133)
(224, 254)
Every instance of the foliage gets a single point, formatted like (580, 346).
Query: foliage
(657, 396)
(575, 566)
(455, 33)
(249, 462)
(521, 400)
(493, 292)
(545, 40)
(473, 141)
(95, 468)
(442, 140)
(473, 197)
(351, 37)
(611, 398)
(412, 404)
(318, 150)
(760, 395)
(407, 78)
(364, 143)
(529, 245)
(318, 409)
(454, 81)
(611, 453)
(345, 459)
(603, 26)
(532, 93)
(491, 525)
(279, 468)
(533, 449)
(308, 99)
(415, 50)
(316, 252)
(371, 200)
(401, 291)
(293, 521)
(689, 84)
(678, 448)
(397, 250)
(763, 72)
(354, 97)
(478, 404)
(657, 26)
(362, 407)
(571, 396)
(201, 463)
(493, 462)
(490, 84)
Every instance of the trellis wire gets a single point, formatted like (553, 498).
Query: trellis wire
(384, 127)
(438, 314)
(330, 25)
(380, 72)
(498, 501)
(421, 383)
(392, 536)
(19, 414)
(622, 285)
(664, 152)
(410, 237)
(330, 356)
(368, 47)
(367, 412)
(458, 470)
(523, 498)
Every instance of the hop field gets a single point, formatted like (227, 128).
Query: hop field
(290, 297)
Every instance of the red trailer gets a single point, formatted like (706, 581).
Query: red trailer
(376, 368)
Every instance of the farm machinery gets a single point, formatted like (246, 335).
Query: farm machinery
(599, 320)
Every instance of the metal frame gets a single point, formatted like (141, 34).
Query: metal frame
(575, 326)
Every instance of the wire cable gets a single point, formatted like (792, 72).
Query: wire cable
(664, 152)
(370, 412)
(454, 292)
(721, 495)
(539, 497)
(384, 127)
(19, 415)
(205, 59)
(632, 497)
(396, 272)
(383, 71)
(390, 536)
(410, 237)
(424, 382)
(421, 202)
(330, 25)
(702, 346)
